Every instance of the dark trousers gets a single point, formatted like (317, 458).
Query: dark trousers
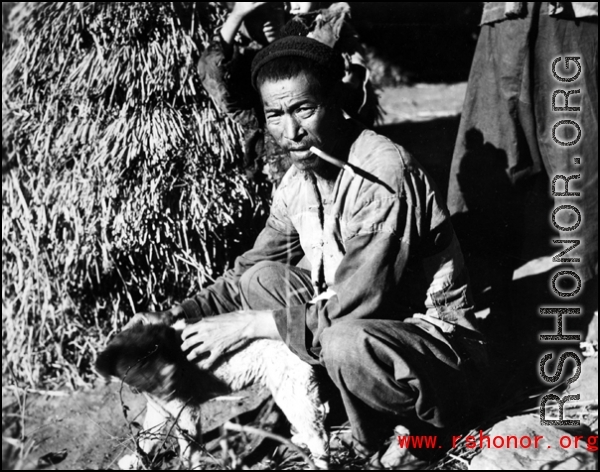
(505, 158)
(388, 372)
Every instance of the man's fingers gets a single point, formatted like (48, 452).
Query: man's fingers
(190, 331)
(208, 363)
(195, 351)
(192, 343)
(186, 333)
(204, 360)
(206, 328)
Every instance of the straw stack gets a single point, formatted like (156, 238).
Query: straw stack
(126, 192)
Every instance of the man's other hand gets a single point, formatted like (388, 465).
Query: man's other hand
(242, 9)
(234, 21)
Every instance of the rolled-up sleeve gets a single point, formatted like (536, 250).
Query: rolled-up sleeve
(227, 81)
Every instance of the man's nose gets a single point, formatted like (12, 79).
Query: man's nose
(291, 128)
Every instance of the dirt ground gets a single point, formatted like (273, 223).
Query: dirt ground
(89, 430)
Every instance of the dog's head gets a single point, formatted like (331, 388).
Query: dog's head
(148, 357)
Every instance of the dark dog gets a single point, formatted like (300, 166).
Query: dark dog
(149, 358)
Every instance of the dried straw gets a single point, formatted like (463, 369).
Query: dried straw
(127, 193)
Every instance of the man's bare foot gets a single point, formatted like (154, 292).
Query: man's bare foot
(396, 457)
(390, 457)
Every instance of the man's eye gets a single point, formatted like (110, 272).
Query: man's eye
(272, 118)
(305, 112)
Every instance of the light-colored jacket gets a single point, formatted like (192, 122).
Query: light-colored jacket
(382, 247)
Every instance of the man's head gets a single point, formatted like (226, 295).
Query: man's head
(298, 80)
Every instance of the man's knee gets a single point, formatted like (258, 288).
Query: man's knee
(345, 343)
(262, 282)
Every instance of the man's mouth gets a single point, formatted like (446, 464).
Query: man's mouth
(298, 146)
(301, 153)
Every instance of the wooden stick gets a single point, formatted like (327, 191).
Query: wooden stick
(332, 160)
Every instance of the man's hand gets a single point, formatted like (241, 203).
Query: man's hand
(226, 333)
(235, 19)
(242, 9)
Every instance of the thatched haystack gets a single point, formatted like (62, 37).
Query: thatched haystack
(126, 193)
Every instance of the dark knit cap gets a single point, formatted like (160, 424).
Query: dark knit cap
(299, 46)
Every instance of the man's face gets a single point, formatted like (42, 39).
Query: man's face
(299, 118)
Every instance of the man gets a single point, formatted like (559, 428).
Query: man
(225, 68)
(385, 308)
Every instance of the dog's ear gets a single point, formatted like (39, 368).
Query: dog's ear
(107, 362)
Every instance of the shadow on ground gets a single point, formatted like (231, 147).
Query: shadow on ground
(506, 238)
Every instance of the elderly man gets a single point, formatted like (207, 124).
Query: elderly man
(385, 307)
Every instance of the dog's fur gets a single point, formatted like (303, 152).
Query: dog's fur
(149, 358)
